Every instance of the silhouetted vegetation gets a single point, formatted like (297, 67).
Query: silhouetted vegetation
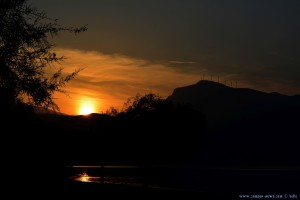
(148, 129)
(161, 129)
(25, 54)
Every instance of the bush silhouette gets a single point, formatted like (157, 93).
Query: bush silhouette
(153, 129)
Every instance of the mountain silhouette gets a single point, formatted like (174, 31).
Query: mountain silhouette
(245, 125)
(221, 103)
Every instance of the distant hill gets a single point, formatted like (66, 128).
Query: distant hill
(245, 124)
(222, 104)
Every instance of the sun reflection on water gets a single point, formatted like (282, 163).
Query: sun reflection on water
(83, 177)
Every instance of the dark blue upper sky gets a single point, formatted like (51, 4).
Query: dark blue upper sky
(253, 40)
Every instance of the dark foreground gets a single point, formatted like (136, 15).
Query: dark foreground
(208, 183)
(92, 191)
(205, 183)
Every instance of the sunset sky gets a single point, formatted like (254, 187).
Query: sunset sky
(141, 46)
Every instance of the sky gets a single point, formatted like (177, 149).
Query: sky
(142, 46)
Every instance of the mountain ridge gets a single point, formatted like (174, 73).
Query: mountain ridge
(245, 125)
(218, 101)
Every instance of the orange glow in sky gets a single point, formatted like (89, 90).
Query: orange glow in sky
(109, 80)
(120, 60)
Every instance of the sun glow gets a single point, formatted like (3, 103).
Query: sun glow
(83, 177)
(87, 107)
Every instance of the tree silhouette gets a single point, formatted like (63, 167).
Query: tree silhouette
(140, 105)
(25, 54)
(158, 129)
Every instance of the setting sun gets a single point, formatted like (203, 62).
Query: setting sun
(86, 108)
